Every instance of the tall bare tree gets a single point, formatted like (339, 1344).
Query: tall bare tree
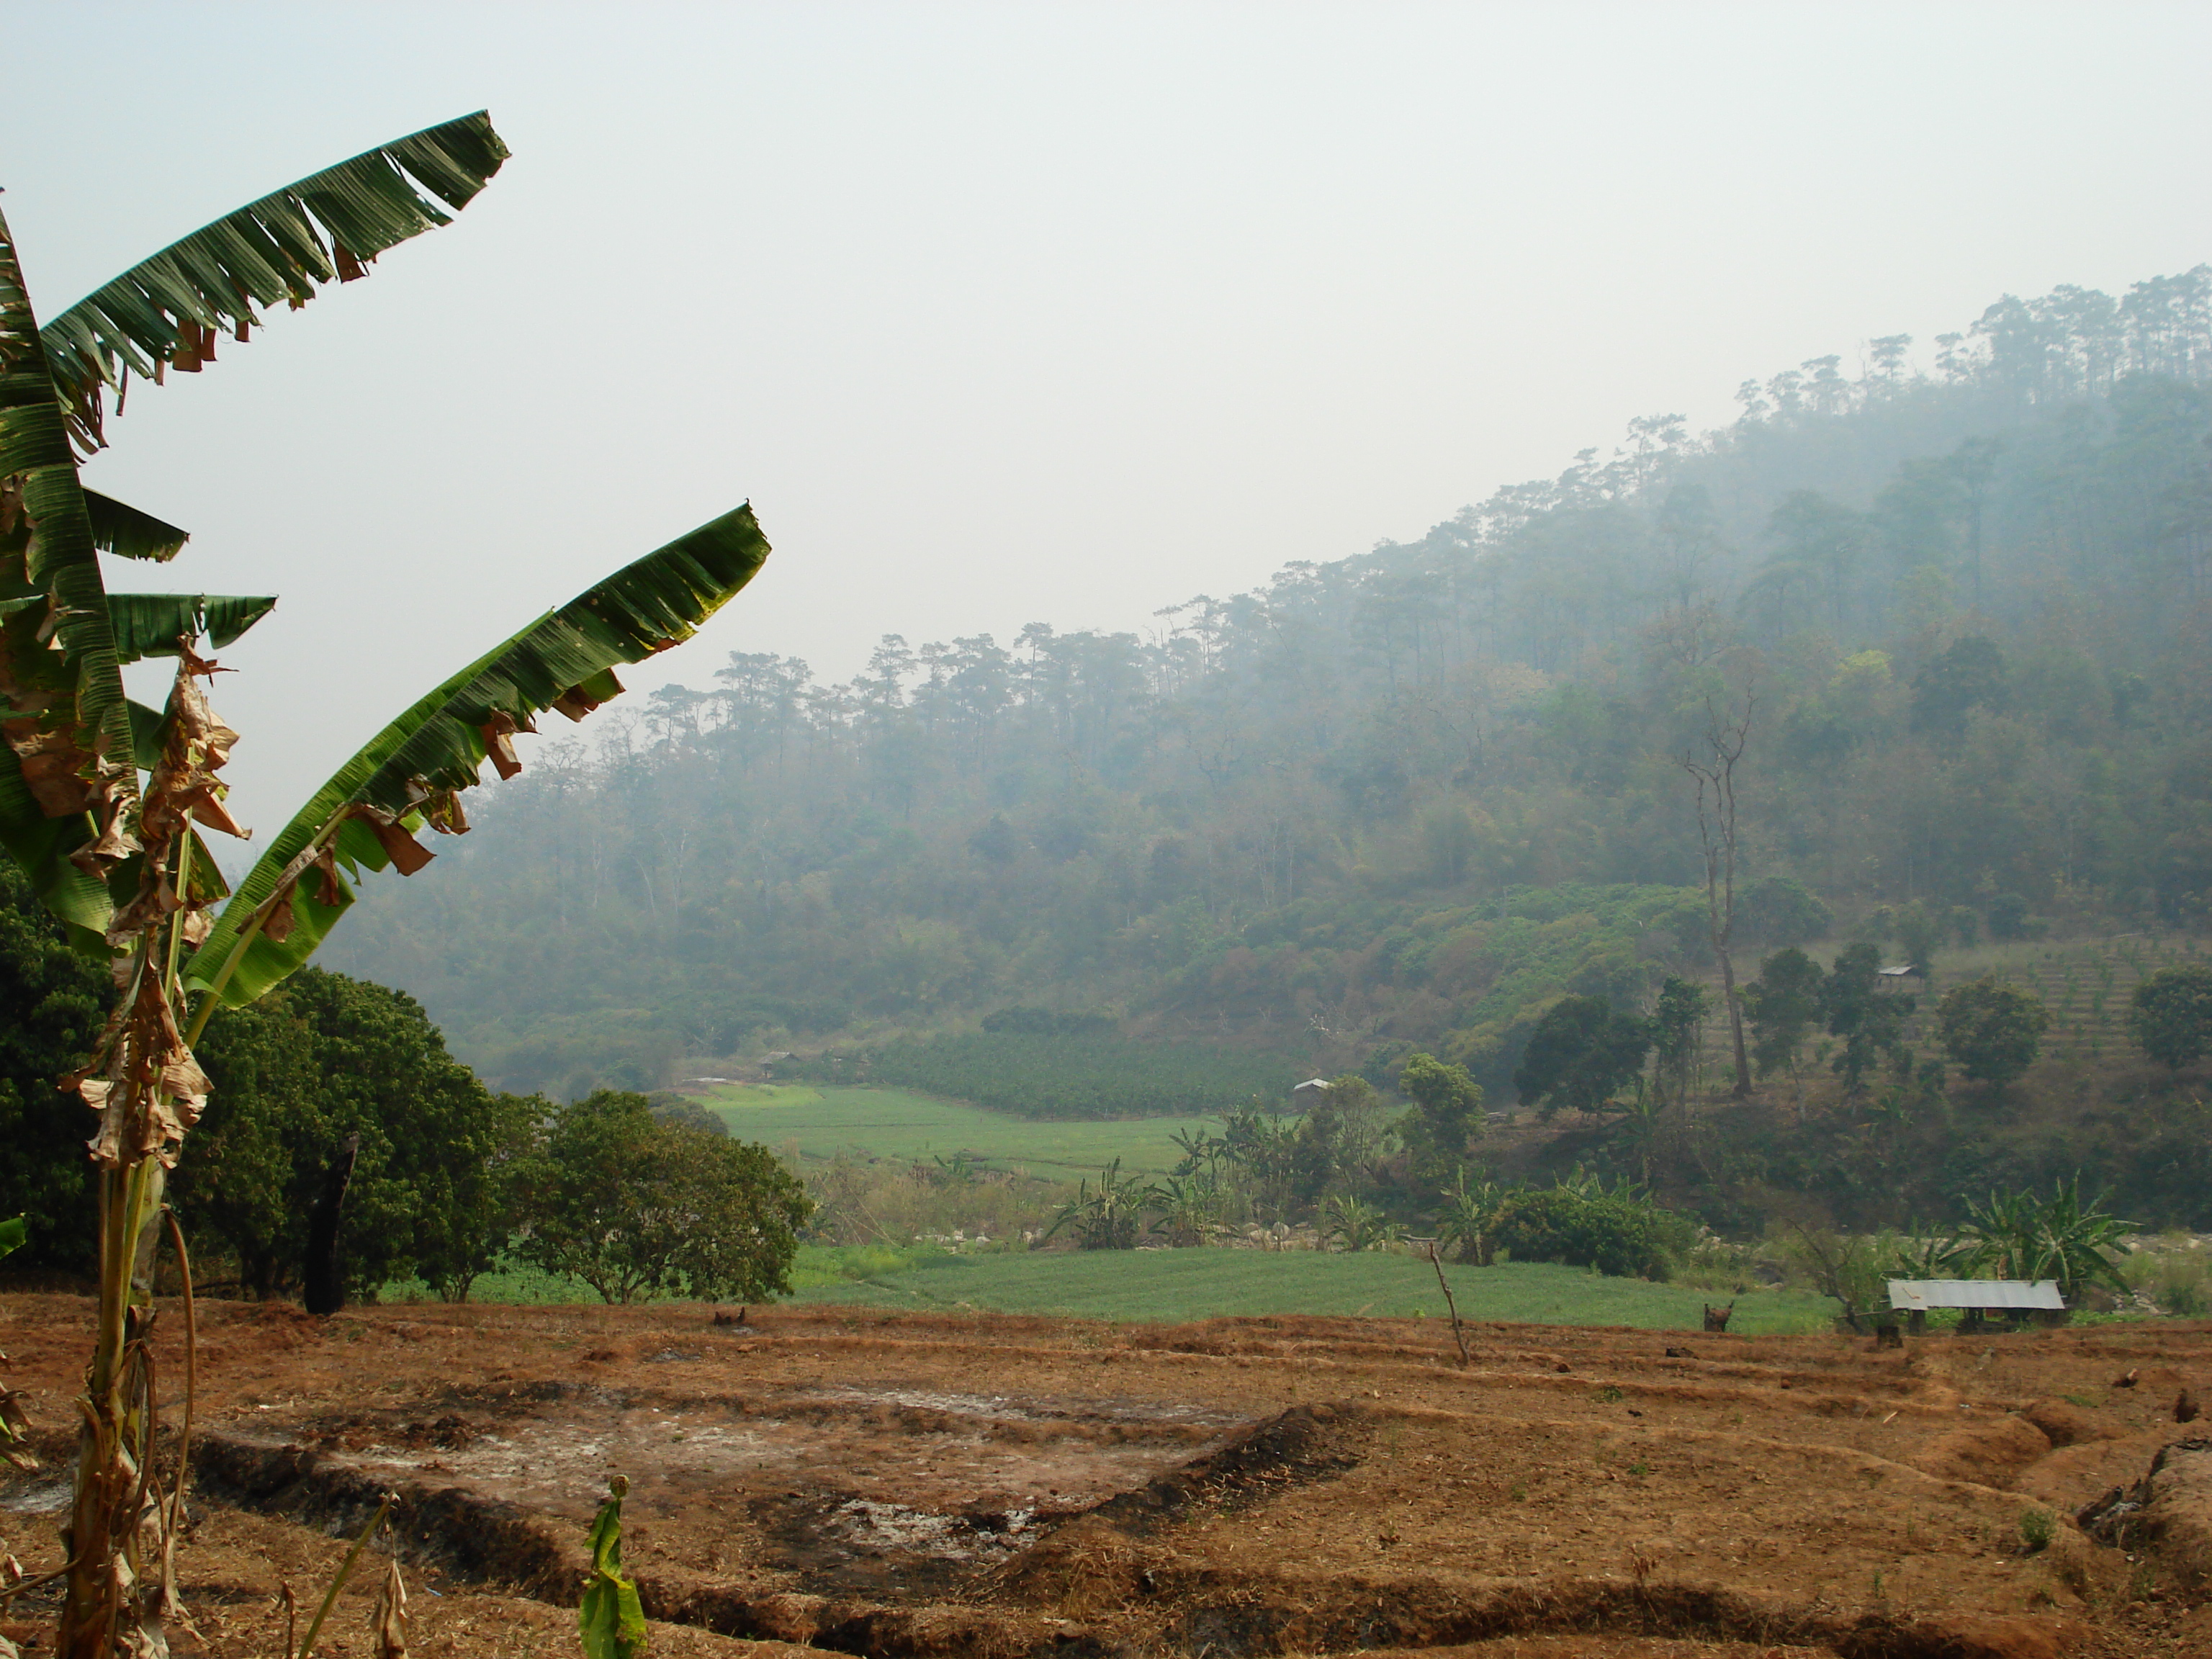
(1713, 768)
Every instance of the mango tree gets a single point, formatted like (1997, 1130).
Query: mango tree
(103, 800)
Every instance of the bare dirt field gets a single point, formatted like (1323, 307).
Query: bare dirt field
(898, 1484)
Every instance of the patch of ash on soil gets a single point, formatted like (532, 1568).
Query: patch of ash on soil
(560, 1460)
(1008, 1408)
(48, 1495)
(987, 1537)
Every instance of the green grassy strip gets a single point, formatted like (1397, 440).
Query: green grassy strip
(1173, 1285)
(1170, 1286)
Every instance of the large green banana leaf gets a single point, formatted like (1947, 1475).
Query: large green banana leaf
(64, 837)
(564, 661)
(129, 533)
(41, 846)
(150, 624)
(166, 310)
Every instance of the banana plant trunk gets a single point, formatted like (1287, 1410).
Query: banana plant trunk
(116, 1600)
(149, 1093)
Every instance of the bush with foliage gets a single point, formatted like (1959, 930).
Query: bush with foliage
(892, 1202)
(1617, 1230)
(1920, 931)
(1110, 1216)
(2019, 1235)
(1850, 1268)
(1466, 1222)
(296, 1075)
(637, 1207)
(1353, 1223)
(2170, 1015)
(1340, 1141)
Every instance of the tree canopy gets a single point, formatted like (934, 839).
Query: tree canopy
(1583, 1052)
(638, 1206)
(298, 1073)
(2171, 1015)
(1991, 1030)
(1447, 1116)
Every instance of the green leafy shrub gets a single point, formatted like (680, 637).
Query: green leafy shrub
(1353, 1224)
(2178, 1281)
(54, 1000)
(1584, 1225)
(1581, 1053)
(2019, 1235)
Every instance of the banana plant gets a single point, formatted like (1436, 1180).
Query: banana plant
(1355, 1225)
(1108, 1219)
(102, 800)
(2019, 1235)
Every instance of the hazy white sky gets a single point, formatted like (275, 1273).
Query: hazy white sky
(1000, 313)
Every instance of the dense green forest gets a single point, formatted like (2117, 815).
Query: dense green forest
(1338, 813)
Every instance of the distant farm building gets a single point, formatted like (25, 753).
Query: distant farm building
(1309, 1094)
(1980, 1298)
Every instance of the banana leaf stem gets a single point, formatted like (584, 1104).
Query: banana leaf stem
(192, 1399)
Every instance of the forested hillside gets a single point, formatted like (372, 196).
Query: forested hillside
(1967, 602)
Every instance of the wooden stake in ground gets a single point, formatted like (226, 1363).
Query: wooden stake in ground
(1451, 1306)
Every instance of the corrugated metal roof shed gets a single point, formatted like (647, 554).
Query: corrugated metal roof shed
(1921, 1294)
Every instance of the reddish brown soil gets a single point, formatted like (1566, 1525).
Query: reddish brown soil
(1002, 1486)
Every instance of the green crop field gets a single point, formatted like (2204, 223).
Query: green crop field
(1172, 1285)
(1183, 1284)
(892, 1123)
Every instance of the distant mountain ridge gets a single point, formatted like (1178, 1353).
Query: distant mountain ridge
(1971, 603)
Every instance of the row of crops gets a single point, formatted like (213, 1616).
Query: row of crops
(1067, 1076)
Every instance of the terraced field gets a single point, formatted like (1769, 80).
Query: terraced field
(2085, 984)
